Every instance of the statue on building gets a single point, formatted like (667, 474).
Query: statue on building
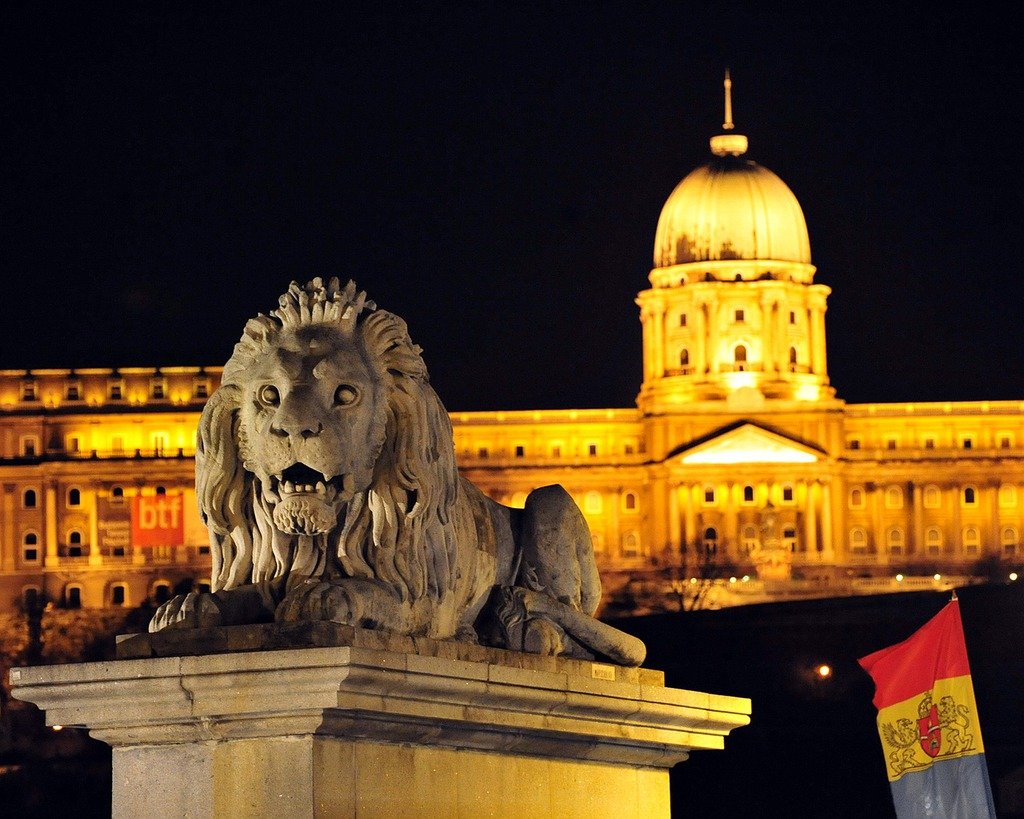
(772, 559)
(326, 476)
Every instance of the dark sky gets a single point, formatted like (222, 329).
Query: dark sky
(494, 174)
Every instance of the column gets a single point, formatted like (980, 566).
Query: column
(827, 550)
(10, 545)
(690, 519)
(917, 499)
(819, 319)
(659, 341)
(811, 521)
(711, 352)
(673, 516)
(50, 521)
(876, 525)
(95, 558)
(731, 522)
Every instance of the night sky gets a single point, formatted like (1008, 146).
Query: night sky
(494, 174)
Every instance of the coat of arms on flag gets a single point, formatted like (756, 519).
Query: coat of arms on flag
(927, 721)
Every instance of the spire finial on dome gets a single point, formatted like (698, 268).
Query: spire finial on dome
(728, 125)
(728, 144)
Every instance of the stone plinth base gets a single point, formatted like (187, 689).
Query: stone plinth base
(379, 726)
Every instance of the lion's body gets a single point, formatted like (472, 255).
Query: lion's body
(325, 471)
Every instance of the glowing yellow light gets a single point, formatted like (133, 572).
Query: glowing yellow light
(693, 580)
(824, 671)
(937, 576)
(808, 392)
(749, 445)
(1013, 576)
(746, 577)
(899, 578)
(740, 379)
(732, 579)
(57, 727)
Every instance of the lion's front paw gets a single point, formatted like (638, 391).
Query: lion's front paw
(315, 600)
(192, 610)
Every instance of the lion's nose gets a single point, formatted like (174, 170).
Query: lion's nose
(291, 421)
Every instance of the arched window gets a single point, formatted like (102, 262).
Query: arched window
(118, 594)
(74, 497)
(932, 497)
(792, 358)
(30, 597)
(894, 540)
(972, 540)
(682, 319)
(710, 540)
(740, 356)
(893, 497)
(30, 547)
(748, 494)
(592, 503)
(161, 592)
(1007, 495)
(29, 499)
(74, 543)
(970, 496)
(117, 492)
(684, 358)
(629, 501)
(858, 540)
(933, 540)
(630, 544)
(161, 490)
(709, 495)
(73, 596)
(1008, 540)
(856, 498)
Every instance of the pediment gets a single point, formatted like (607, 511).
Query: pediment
(747, 443)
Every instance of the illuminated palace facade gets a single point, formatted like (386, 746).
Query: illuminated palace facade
(738, 458)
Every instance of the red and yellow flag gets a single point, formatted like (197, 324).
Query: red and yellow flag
(928, 722)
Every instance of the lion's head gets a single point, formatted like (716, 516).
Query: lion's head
(326, 448)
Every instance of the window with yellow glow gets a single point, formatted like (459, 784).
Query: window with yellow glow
(932, 497)
(1007, 495)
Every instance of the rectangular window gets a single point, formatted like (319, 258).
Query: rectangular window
(854, 443)
(28, 391)
(739, 316)
(74, 392)
(115, 391)
(792, 317)
(682, 319)
(929, 443)
(968, 443)
(157, 389)
(591, 449)
(200, 388)
(73, 444)
(483, 452)
(31, 555)
(1005, 442)
(520, 451)
(709, 495)
(890, 443)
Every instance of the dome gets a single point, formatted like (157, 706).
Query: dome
(731, 208)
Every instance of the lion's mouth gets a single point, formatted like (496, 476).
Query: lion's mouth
(299, 479)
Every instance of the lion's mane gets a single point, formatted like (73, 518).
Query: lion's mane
(398, 530)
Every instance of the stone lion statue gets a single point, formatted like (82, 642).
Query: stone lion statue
(326, 476)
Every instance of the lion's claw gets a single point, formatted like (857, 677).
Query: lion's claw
(192, 610)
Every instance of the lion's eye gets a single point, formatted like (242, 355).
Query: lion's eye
(345, 395)
(269, 395)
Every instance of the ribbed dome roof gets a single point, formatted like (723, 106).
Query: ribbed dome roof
(731, 208)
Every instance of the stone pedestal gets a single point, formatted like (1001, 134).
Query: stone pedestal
(357, 723)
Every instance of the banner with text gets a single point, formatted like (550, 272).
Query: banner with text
(158, 520)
